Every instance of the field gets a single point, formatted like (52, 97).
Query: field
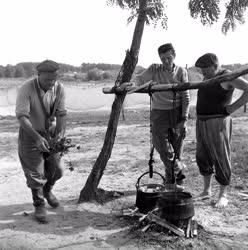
(95, 226)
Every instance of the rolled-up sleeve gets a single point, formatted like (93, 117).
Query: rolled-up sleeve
(61, 109)
(185, 95)
(23, 102)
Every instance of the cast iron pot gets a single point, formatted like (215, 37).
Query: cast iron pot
(176, 205)
(148, 194)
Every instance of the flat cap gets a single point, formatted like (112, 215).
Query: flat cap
(207, 60)
(165, 47)
(47, 66)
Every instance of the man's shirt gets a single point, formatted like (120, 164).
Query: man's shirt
(28, 103)
(164, 100)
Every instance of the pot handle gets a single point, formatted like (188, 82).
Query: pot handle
(154, 172)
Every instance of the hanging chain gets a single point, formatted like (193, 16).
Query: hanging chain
(151, 160)
(171, 134)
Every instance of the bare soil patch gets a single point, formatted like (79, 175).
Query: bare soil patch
(95, 226)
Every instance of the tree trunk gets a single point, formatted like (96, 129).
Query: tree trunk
(90, 191)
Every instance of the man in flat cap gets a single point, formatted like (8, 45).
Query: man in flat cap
(40, 110)
(214, 126)
(169, 112)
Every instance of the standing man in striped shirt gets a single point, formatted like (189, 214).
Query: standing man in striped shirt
(169, 112)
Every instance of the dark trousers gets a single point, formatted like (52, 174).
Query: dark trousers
(213, 137)
(165, 134)
(37, 168)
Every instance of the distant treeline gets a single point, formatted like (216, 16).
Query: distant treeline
(87, 71)
(27, 69)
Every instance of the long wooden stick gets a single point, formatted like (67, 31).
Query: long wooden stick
(135, 89)
(181, 87)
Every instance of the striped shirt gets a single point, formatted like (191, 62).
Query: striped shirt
(164, 100)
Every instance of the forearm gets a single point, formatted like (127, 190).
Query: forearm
(238, 103)
(60, 125)
(185, 103)
(26, 125)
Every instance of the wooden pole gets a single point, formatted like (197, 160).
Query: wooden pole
(179, 87)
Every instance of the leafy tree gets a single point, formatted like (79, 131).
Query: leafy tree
(106, 75)
(149, 11)
(209, 12)
(93, 75)
(19, 71)
(9, 71)
(2, 70)
(28, 68)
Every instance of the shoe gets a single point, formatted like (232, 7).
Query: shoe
(40, 214)
(39, 205)
(174, 187)
(49, 196)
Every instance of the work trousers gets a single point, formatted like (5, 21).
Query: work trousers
(213, 137)
(165, 134)
(37, 168)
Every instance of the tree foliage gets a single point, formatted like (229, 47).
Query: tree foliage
(155, 10)
(209, 12)
(234, 14)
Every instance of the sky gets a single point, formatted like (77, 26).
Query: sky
(89, 31)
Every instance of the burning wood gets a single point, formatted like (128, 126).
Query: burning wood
(189, 231)
(162, 222)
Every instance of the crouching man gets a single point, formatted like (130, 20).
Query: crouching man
(40, 110)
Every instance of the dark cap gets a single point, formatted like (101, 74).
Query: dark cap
(165, 47)
(207, 60)
(47, 66)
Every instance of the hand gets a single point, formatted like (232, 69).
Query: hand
(182, 125)
(55, 139)
(227, 110)
(125, 85)
(42, 144)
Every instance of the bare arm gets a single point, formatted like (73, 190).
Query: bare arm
(60, 126)
(41, 142)
(238, 83)
(60, 116)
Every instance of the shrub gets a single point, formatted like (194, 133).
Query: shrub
(107, 75)
(94, 75)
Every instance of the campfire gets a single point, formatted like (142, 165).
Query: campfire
(181, 227)
(171, 210)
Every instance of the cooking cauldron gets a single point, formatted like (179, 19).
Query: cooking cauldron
(176, 205)
(148, 194)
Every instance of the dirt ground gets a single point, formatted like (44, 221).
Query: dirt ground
(94, 226)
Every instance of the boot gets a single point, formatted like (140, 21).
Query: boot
(39, 205)
(50, 197)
